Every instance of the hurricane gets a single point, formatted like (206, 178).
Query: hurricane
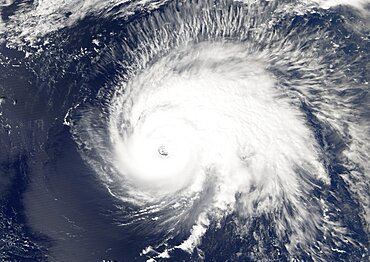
(189, 130)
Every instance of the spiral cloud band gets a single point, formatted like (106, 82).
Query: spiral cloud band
(212, 116)
(214, 110)
(211, 105)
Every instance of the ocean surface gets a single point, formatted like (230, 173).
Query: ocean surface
(187, 130)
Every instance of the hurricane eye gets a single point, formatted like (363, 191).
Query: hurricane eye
(163, 152)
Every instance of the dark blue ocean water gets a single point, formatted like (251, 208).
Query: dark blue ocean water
(67, 201)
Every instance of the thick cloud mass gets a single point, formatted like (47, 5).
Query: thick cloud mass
(207, 120)
(211, 111)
